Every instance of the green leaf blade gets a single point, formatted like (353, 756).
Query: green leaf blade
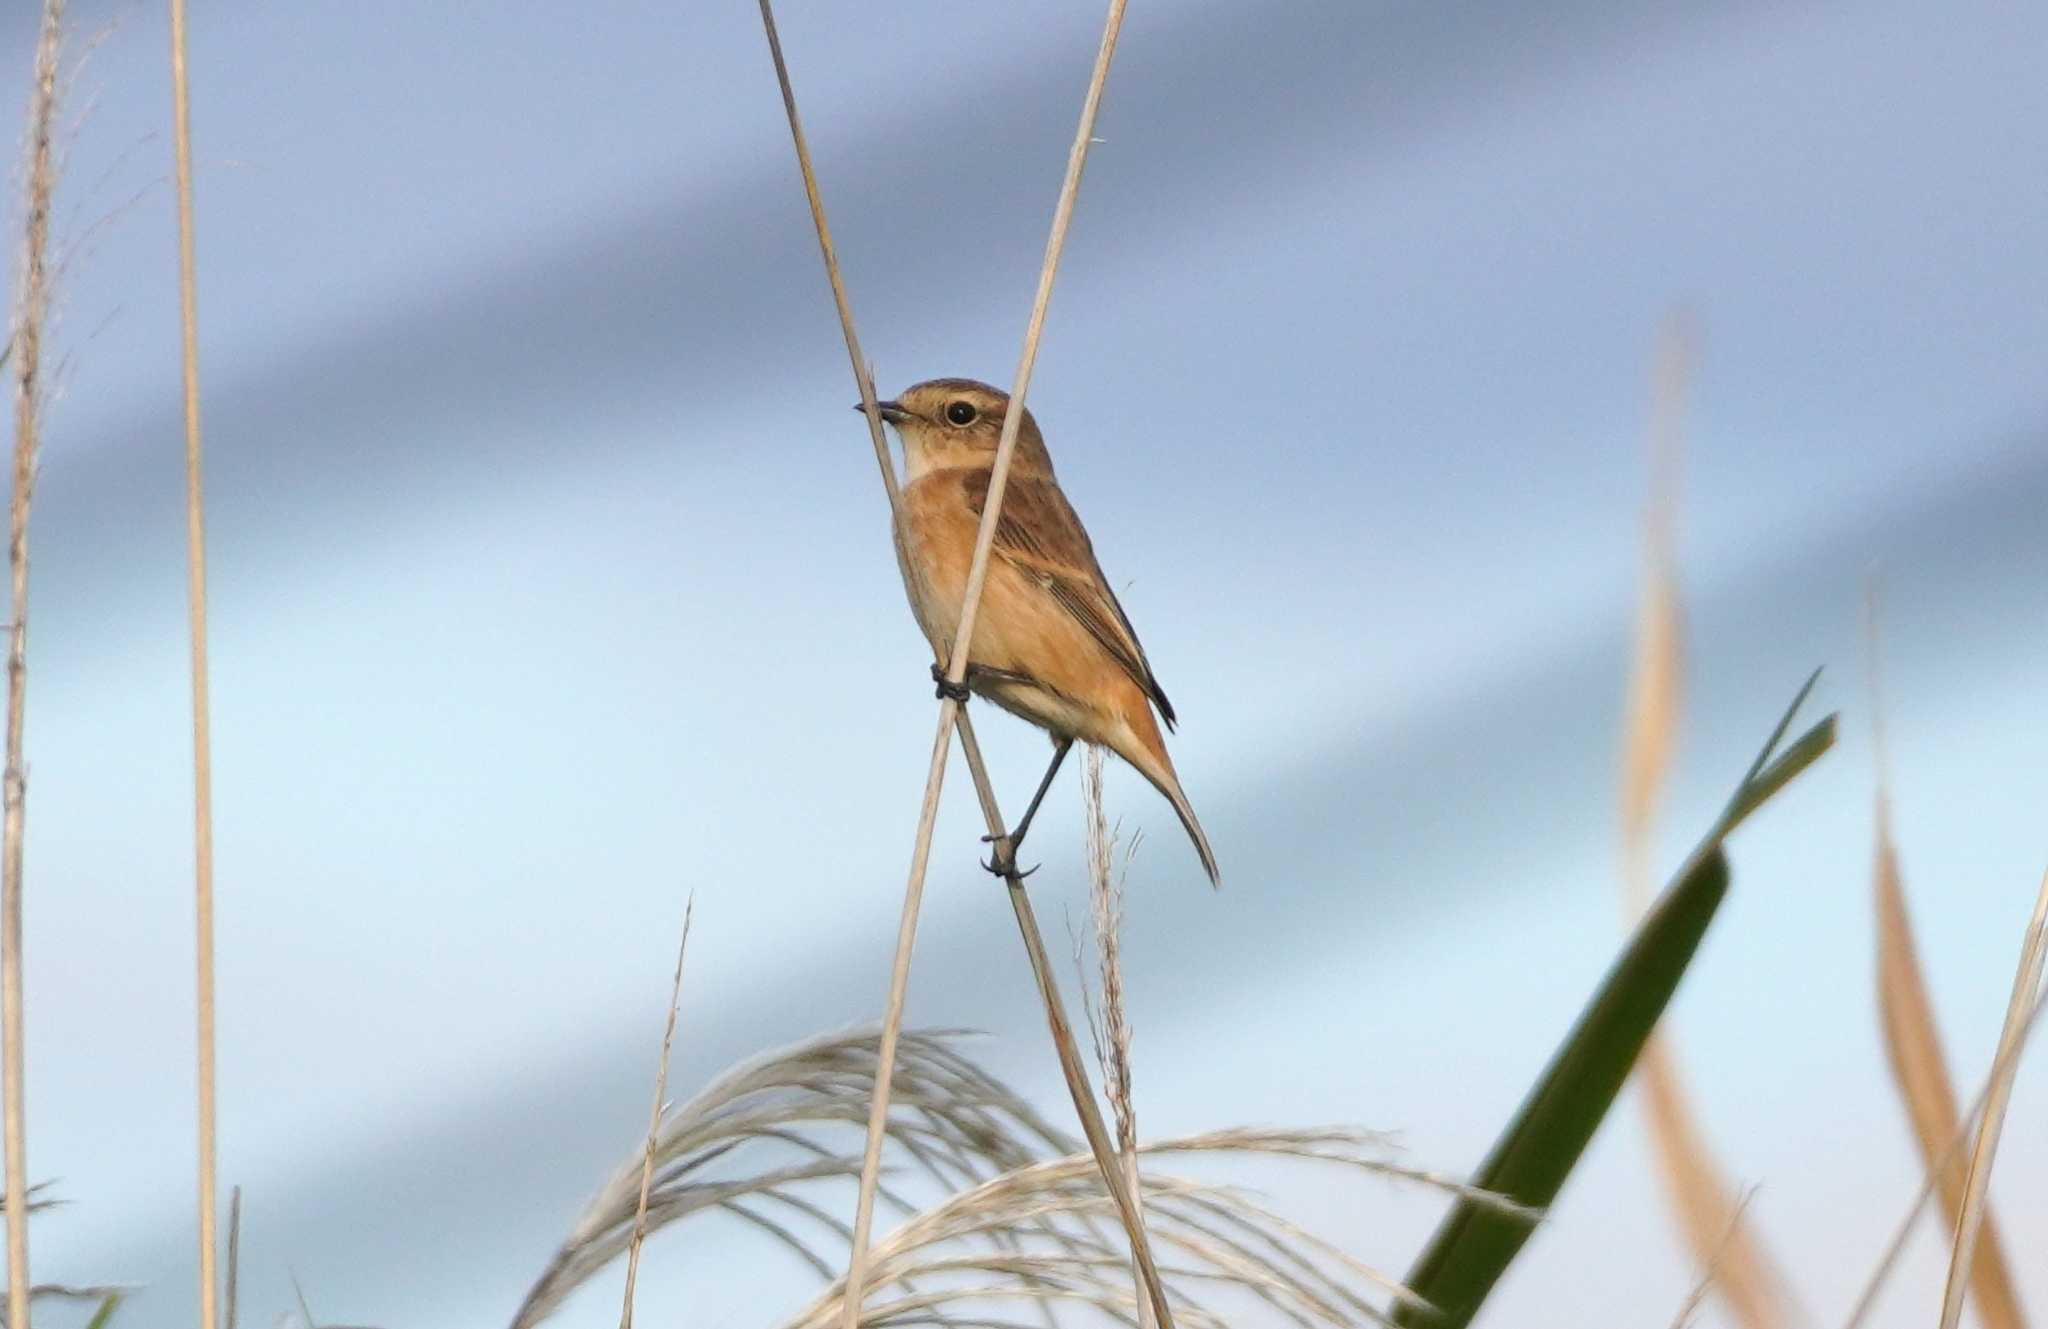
(1543, 1142)
(1474, 1244)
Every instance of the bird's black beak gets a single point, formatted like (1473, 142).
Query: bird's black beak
(891, 411)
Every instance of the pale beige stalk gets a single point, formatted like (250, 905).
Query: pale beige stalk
(2026, 987)
(861, 372)
(913, 893)
(668, 1038)
(202, 742)
(950, 713)
(1113, 1173)
(1711, 1219)
(31, 309)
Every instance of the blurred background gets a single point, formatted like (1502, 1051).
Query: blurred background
(551, 584)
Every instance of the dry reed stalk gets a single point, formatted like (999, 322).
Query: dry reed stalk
(1712, 1221)
(913, 894)
(861, 373)
(31, 310)
(668, 1038)
(951, 714)
(1949, 1153)
(2026, 987)
(1912, 1040)
(1125, 1196)
(202, 742)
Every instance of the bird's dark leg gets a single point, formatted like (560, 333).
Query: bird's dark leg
(1005, 857)
(1059, 754)
(947, 688)
(981, 674)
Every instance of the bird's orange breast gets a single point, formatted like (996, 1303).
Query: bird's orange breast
(1019, 627)
(935, 544)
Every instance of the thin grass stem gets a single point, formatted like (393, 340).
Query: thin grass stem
(2026, 986)
(830, 253)
(202, 742)
(668, 1038)
(234, 1254)
(31, 308)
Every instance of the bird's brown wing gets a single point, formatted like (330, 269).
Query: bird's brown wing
(1038, 533)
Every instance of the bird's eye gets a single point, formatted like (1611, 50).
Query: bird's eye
(961, 413)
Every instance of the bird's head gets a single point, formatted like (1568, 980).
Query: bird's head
(957, 422)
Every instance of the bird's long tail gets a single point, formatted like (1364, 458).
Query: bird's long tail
(1194, 828)
(1146, 751)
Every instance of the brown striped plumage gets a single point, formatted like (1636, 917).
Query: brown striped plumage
(1051, 643)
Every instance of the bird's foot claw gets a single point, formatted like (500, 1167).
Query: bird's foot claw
(947, 689)
(1003, 863)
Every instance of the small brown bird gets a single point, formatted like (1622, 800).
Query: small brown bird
(1051, 643)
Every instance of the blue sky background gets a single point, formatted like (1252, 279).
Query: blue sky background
(551, 584)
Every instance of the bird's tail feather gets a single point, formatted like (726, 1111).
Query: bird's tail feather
(1148, 755)
(1194, 829)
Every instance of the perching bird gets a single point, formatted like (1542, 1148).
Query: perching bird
(1051, 643)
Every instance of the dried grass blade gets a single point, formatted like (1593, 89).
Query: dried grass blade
(1912, 1039)
(1689, 1308)
(1656, 678)
(2026, 987)
(1919, 1069)
(1953, 1149)
(1712, 1221)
